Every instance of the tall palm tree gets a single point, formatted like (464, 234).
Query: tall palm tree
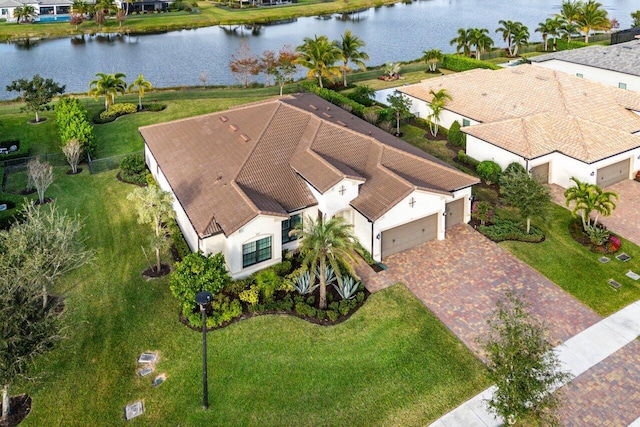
(26, 13)
(463, 41)
(432, 57)
(520, 38)
(326, 242)
(580, 195)
(508, 29)
(543, 29)
(603, 202)
(567, 30)
(555, 25)
(140, 85)
(80, 7)
(591, 16)
(109, 86)
(569, 12)
(438, 101)
(319, 55)
(349, 47)
(481, 40)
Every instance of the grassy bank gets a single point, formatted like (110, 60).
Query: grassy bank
(209, 14)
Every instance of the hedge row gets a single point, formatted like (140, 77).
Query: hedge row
(335, 98)
(462, 63)
(73, 123)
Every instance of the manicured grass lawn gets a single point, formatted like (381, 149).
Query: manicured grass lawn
(393, 362)
(576, 269)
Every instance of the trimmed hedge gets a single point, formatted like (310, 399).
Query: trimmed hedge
(467, 160)
(462, 63)
(134, 169)
(117, 110)
(509, 230)
(489, 171)
(455, 135)
(335, 98)
(73, 123)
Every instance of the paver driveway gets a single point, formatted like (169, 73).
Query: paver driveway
(624, 219)
(460, 278)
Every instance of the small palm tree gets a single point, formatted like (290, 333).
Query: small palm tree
(326, 242)
(520, 38)
(431, 58)
(109, 86)
(437, 104)
(349, 46)
(579, 194)
(319, 55)
(603, 202)
(391, 69)
(140, 85)
(508, 29)
(569, 12)
(26, 13)
(463, 41)
(481, 40)
(591, 16)
(550, 27)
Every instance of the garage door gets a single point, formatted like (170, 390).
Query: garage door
(455, 213)
(407, 236)
(541, 173)
(613, 173)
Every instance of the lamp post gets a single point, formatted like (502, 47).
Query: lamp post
(203, 299)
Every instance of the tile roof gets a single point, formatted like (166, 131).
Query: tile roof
(226, 168)
(622, 57)
(533, 111)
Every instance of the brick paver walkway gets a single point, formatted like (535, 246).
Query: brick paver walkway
(460, 278)
(607, 394)
(624, 219)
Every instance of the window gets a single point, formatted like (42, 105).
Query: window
(288, 225)
(465, 122)
(255, 252)
(579, 75)
(4, 11)
(622, 85)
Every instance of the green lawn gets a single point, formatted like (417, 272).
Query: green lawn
(393, 362)
(576, 269)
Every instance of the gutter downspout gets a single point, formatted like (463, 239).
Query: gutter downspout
(372, 237)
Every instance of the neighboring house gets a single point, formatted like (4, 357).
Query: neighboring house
(556, 125)
(615, 65)
(45, 9)
(244, 177)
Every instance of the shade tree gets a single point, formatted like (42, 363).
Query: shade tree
(400, 105)
(36, 93)
(531, 198)
(243, 64)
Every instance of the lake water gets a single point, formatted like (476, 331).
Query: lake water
(392, 33)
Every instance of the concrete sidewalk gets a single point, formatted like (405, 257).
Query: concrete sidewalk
(578, 354)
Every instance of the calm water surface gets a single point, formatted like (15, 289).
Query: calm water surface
(395, 33)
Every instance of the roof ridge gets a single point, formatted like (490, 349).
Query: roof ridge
(526, 136)
(563, 98)
(581, 139)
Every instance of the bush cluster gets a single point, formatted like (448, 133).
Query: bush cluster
(509, 230)
(73, 123)
(455, 135)
(489, 171)
(335, 98)
(467, 160)
(462, 63)
(117, 110)
(134, 169)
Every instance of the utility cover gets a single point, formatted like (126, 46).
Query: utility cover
(133, 410)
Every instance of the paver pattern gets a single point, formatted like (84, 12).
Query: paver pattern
(607, 394)
(460, 278)
(624, 219)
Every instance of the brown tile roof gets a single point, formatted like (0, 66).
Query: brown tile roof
(226, 168)
(533, 111)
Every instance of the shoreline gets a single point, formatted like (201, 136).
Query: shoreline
(161, 23)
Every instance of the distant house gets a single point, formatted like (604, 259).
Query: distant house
(45, 9)
(243, 178)
(556, 125)
(615, 65)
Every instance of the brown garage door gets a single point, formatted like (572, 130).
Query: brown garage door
(455, 213)
(613, 173)
(407, 236)
(541, 173)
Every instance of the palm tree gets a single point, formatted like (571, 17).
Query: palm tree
(544, 28)
(508, 29)
(463, 41)
(108, 85)
(580, 195)
(349, 46)
(481, 40)
(432, 57)
(26, 13)
(603, 202)
(438, 101)
(319, 55)
(591, 16)
(569, 12)
(555, 25)
(140, 84)
(391, 69)
(520, 38)
(80, 7)
(567, 29)
(326, 242)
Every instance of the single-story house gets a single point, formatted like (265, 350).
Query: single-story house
(615, 65)
(45, 9)
(243, 178)
(554, 124)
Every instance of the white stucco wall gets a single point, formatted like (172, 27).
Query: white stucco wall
(332, 201)
(421, 108)
(481, 150)
(362, 230)
(606, 77)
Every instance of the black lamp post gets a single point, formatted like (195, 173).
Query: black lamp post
(203, 299)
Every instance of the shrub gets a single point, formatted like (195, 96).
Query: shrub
(117, 110)
(134, 169)
(283, 268)
(481, 211)
(267, 281)
(223, 310)
(335, 98)
(348, 289)
(178, 241)
(197, 273)
(250, 296)
(598, 235)
(303, 309)
(489, 171)
(462, 63)
(332, 315)
(455, 135)
(73, 123)
(467, 160)
(510, 230)
(155, 107)
(514, 167)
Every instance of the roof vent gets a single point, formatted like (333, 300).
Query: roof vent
(233, 127)
(326, 114)
(245, 137)
(313, 107)
(224, 118)
(328, 108)
(484, 93)
(341, 123)
(542, 78)
(219, 178)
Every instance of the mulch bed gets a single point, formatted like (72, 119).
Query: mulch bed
(33, 121)
(44, 202)
(576, 232)
(26, 192)
(71, 172)
(20, 407)
(151, 273)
